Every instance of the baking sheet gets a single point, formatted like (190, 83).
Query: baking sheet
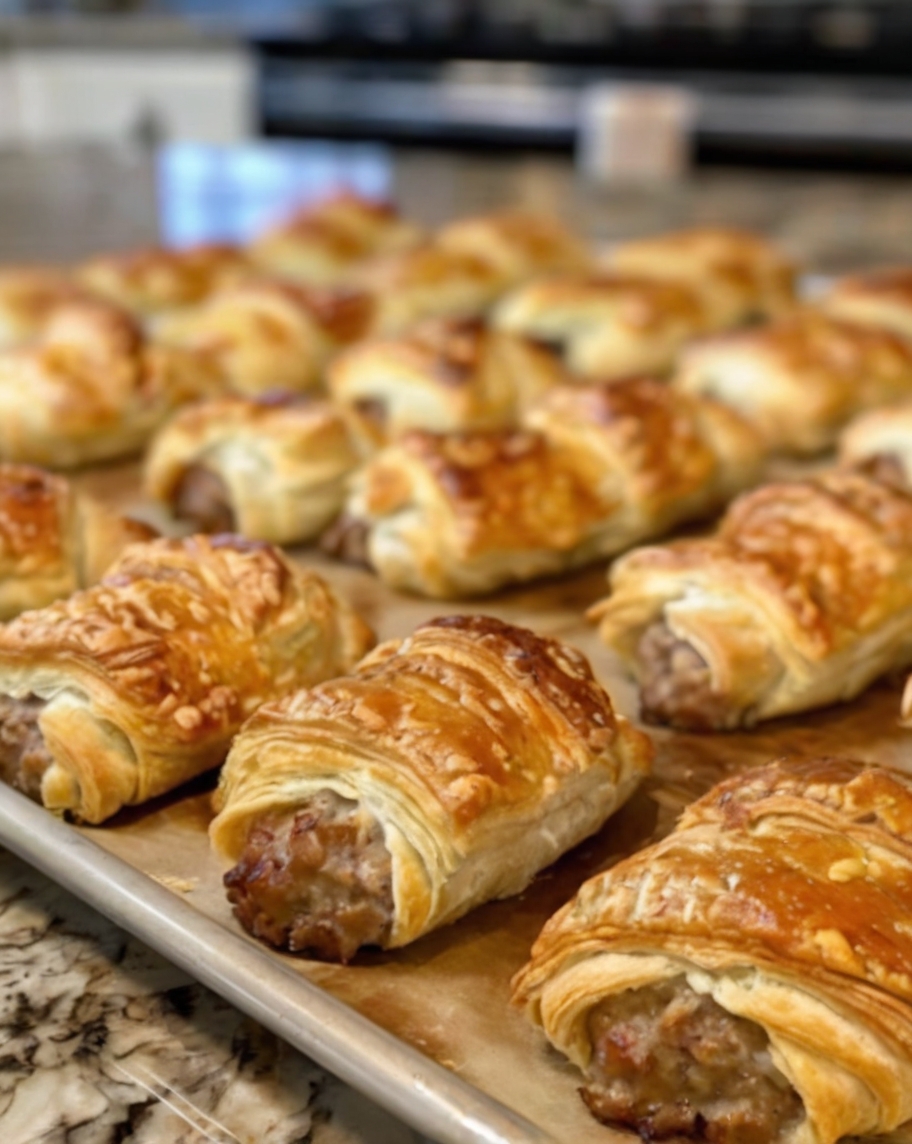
(445, 998)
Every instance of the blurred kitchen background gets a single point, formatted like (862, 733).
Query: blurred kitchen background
(799, 81)
(680, 87)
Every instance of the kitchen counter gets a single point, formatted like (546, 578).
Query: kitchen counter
(71, 201)
(103, 1041)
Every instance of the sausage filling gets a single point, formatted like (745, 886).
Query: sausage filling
(315, 880)
(676, 683)
(886, 468)
(347, 539)
(670, 1063)
(202, 498)
(23, 755)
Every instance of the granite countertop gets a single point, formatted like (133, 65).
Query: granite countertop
(104, 1041)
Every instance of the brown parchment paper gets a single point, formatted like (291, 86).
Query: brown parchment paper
(448, 994)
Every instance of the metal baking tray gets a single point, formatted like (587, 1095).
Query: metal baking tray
(426, 1031)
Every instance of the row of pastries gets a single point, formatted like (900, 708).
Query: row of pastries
(744, 980)
(734, 978)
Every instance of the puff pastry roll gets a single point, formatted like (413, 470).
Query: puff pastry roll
(747, 979)
(156, 279)
(92, 388)
(802, 598)
(881, 442)
(521, 244)
(324, 243)
(429, 282)
(446, 770)
(605, 325)
(272, 469)
(799, 380)
(271, 335)
(881, 298)
(443, 376)
(53, 539)
(28, 297)
(741, 276)
(600, 468)
(132, 687)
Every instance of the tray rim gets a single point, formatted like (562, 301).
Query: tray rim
(399, 1078)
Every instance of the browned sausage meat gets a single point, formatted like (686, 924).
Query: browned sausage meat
(202, 498)
(316, 880)
(23, 755)
(676, 683)
(667, 1039)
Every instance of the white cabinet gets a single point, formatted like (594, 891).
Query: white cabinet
(117, 94)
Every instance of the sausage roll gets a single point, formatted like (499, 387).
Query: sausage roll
(271, 469)
(520, 243)
(153, 280)
(799, 380)
(270, 336)
(748, 979)
(605, 325)
(599, 468)
(130, 688)
(740, 275)
(28, 297)
(53, 540)
(324, 243)
(802, 598)
(881, 442)
(92, 388)
(446, 770)
(881, 298)
(442, 376)
(429, 282)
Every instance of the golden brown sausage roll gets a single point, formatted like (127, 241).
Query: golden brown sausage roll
(272, 469)
(443, 376)
(323, 244)
(132, 687)
(607, 325)
(444, 771)
(269, 336)
(428, 282)
(881, 298)
(28, 297)
(521, 244)
(802, 598)
(600, 468)
(53, 539)
(155, 279)
(799, 380)
(747, 979)
(741, 276)
(881, 441)
(92, 388)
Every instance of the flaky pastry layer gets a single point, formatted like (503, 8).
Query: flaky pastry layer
(92, 388)
(147, 676)
(325, 243)
(802, 598)
(598, 469)
(53, 540)
(282, 464)
(482, 750)
(802, 378)
(784, 895)
(741, 276)
(444, 376)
